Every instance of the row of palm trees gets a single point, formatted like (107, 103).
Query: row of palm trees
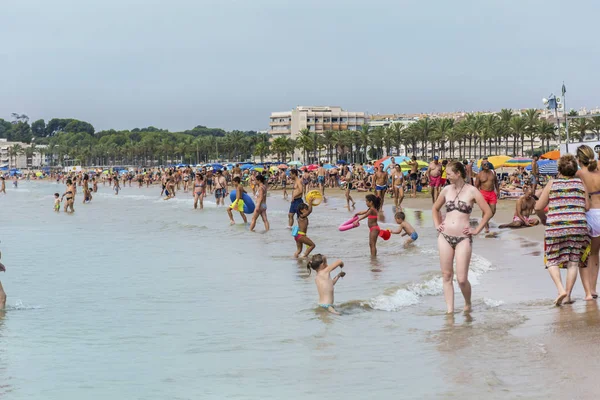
(473, 136)
(16, 150)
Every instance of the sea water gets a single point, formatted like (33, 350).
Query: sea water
(134, 297)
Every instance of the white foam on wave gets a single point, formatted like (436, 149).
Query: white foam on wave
(412, 293)
(20, 306)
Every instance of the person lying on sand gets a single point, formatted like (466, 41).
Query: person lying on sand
(523, 211)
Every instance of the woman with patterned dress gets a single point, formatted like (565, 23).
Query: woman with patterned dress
(566, 242)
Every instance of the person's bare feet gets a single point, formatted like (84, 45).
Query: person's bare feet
(589, 298)
(231, 223)
(467, 308)
(568, 300)
(560, 299)
(296, 254)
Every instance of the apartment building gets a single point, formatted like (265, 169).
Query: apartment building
(315, 119)
(37, 159)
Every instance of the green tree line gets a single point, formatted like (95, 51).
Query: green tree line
(474, 136)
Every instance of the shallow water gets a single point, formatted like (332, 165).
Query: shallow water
(139, 298)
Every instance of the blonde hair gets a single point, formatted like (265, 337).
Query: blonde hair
(586, 156)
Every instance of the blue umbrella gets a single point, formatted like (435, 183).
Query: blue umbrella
(328, 166)
(546, 167)
(370, 170)
(216, 166)
(246, 166)
(342, 162)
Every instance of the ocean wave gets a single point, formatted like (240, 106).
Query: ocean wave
(412, 293)
(19, 306)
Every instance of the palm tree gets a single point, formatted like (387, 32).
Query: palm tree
(329, 142)
(442, 130)
(423, 128)
(518, 127)
(305, 143)
(396, 135)
(594, 126)
(376, 139)
(532, 117)
(580, 126)
(14, 152)
(545, 131)
(364, 139)
(491, 123)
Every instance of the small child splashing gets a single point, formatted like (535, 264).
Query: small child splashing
(374, 204)
(324, 282)
(406, 229)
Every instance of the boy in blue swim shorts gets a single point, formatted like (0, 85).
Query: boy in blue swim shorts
(406, 229)
(324, 281)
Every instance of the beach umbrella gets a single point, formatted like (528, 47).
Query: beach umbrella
(343, 162)
(422, 164)
(216, 166)
(370, 170)
(246, 166)
(312, 167)
(282, 166)
(294, 164)
(518, 162)
(551, 155)
(385, 161)
(38, 174)
(257, 168)
(328, 167)
(496, 161)
(546, 167)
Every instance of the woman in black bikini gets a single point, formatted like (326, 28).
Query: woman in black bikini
(70, 194)
(456, 235)
(199, 191)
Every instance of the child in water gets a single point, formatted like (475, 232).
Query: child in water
(406, 229)
(374, 203)
(323, 280)
(304, 211)
(56, 202)
(238, 203)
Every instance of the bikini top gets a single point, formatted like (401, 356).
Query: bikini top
(460, 206)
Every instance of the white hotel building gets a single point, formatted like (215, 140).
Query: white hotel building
(315, 119)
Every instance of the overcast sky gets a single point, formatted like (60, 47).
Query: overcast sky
(223, 63)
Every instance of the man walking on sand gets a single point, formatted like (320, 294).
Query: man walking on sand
(487, 183)
(434, 173)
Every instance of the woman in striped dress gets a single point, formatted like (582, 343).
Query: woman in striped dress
(566, 241)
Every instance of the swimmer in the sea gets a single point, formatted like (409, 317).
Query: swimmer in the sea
(238, 203)
(116, 187)
(56, 202)
(2, 185)
(323, 280)
(405, 229)
(303, 212)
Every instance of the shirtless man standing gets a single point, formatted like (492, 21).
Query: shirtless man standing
(487, 183)
(321, 180)
(220, 188)
(296, 197)
(434, 173)
(523, 211)
(535, 173)
(469, 170)
(381, 181)
(414, 175)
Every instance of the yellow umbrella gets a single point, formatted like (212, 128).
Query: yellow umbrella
(497, 161)
(422, 164)
(38, 174)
